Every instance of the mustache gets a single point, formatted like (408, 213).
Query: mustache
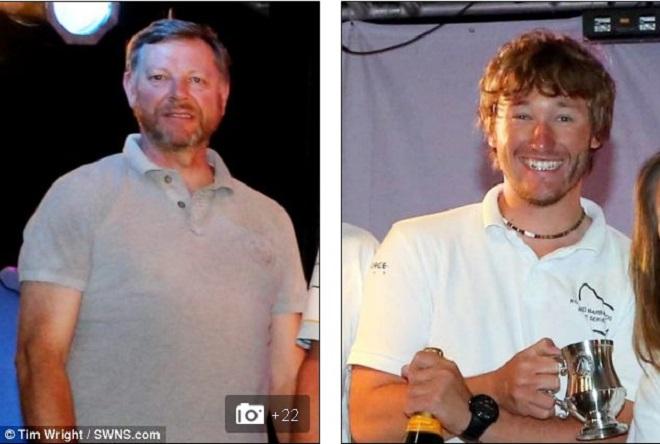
(172, 107)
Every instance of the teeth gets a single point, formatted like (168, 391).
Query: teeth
(543, 165)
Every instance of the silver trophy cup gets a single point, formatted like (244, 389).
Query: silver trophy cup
(594, 394)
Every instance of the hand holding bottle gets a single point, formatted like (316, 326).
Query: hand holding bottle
(436, 387)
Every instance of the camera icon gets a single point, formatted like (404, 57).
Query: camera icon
(249, 414)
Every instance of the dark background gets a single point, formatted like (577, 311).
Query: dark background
(63, 106)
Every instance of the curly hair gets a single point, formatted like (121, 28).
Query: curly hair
(554, 65)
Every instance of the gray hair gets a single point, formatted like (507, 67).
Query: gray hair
(173, 29)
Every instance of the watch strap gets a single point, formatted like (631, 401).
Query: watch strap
(475, 429)
(478, 422)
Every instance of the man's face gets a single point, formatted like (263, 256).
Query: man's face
(542, 145)
(177, 93)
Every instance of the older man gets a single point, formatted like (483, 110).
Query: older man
(153, 282)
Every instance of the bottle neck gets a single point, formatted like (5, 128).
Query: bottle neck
(424, 422)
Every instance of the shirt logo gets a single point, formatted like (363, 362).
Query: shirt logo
(379, 267)
(595, 309)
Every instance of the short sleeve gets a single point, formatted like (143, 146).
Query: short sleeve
(309, 328)
(645, 425)
(396, 299)
(623, 356)
(57, 240)
(292, 293)
(358, 247)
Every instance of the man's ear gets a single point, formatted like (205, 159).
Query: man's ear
(224, 95)
(492, 140)
(129, 87)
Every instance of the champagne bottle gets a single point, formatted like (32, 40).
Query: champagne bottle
(423, 428)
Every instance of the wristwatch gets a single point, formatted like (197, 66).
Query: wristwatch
(484, 411)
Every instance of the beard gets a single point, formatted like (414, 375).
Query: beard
(166, 136)
(578, 168)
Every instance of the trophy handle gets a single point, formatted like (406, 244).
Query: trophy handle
(563, 369)
(563, 408)
(562, 403)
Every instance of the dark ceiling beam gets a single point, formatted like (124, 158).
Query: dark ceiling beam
(377, 11)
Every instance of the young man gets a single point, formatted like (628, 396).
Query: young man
(153, 282)
(502, 285)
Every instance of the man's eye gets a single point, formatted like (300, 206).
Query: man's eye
(156, 77)
(195, 79)
(521, 116)
(565, 118)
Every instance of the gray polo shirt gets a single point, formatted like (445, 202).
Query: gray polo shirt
(178, 290)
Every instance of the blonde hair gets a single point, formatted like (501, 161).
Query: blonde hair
(645, 264)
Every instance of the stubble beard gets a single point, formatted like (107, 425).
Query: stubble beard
(167, 140)
(578, 170)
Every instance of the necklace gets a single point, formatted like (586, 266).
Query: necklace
(545, 236)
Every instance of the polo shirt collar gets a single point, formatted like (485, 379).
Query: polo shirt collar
(142, 164)
(491, 210)
(593, 239)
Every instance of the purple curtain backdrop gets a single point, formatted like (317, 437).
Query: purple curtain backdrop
(410, 145)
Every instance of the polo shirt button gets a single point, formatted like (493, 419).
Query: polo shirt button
(168, 179)
(181, 204)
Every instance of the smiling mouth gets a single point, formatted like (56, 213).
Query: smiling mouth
(181, 115)
(543, 165)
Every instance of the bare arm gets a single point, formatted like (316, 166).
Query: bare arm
(286, 357)
(47, 320)
(522, 388)
(379, 402)
(308, 384)
(376, 406)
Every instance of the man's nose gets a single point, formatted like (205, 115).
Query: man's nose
(543, 136)
(179, 88)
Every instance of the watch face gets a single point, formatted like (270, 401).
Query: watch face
(485, 408)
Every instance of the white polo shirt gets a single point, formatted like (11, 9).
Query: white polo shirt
(460, 280)
(309, 326)
(357, 249)
(645, 426)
